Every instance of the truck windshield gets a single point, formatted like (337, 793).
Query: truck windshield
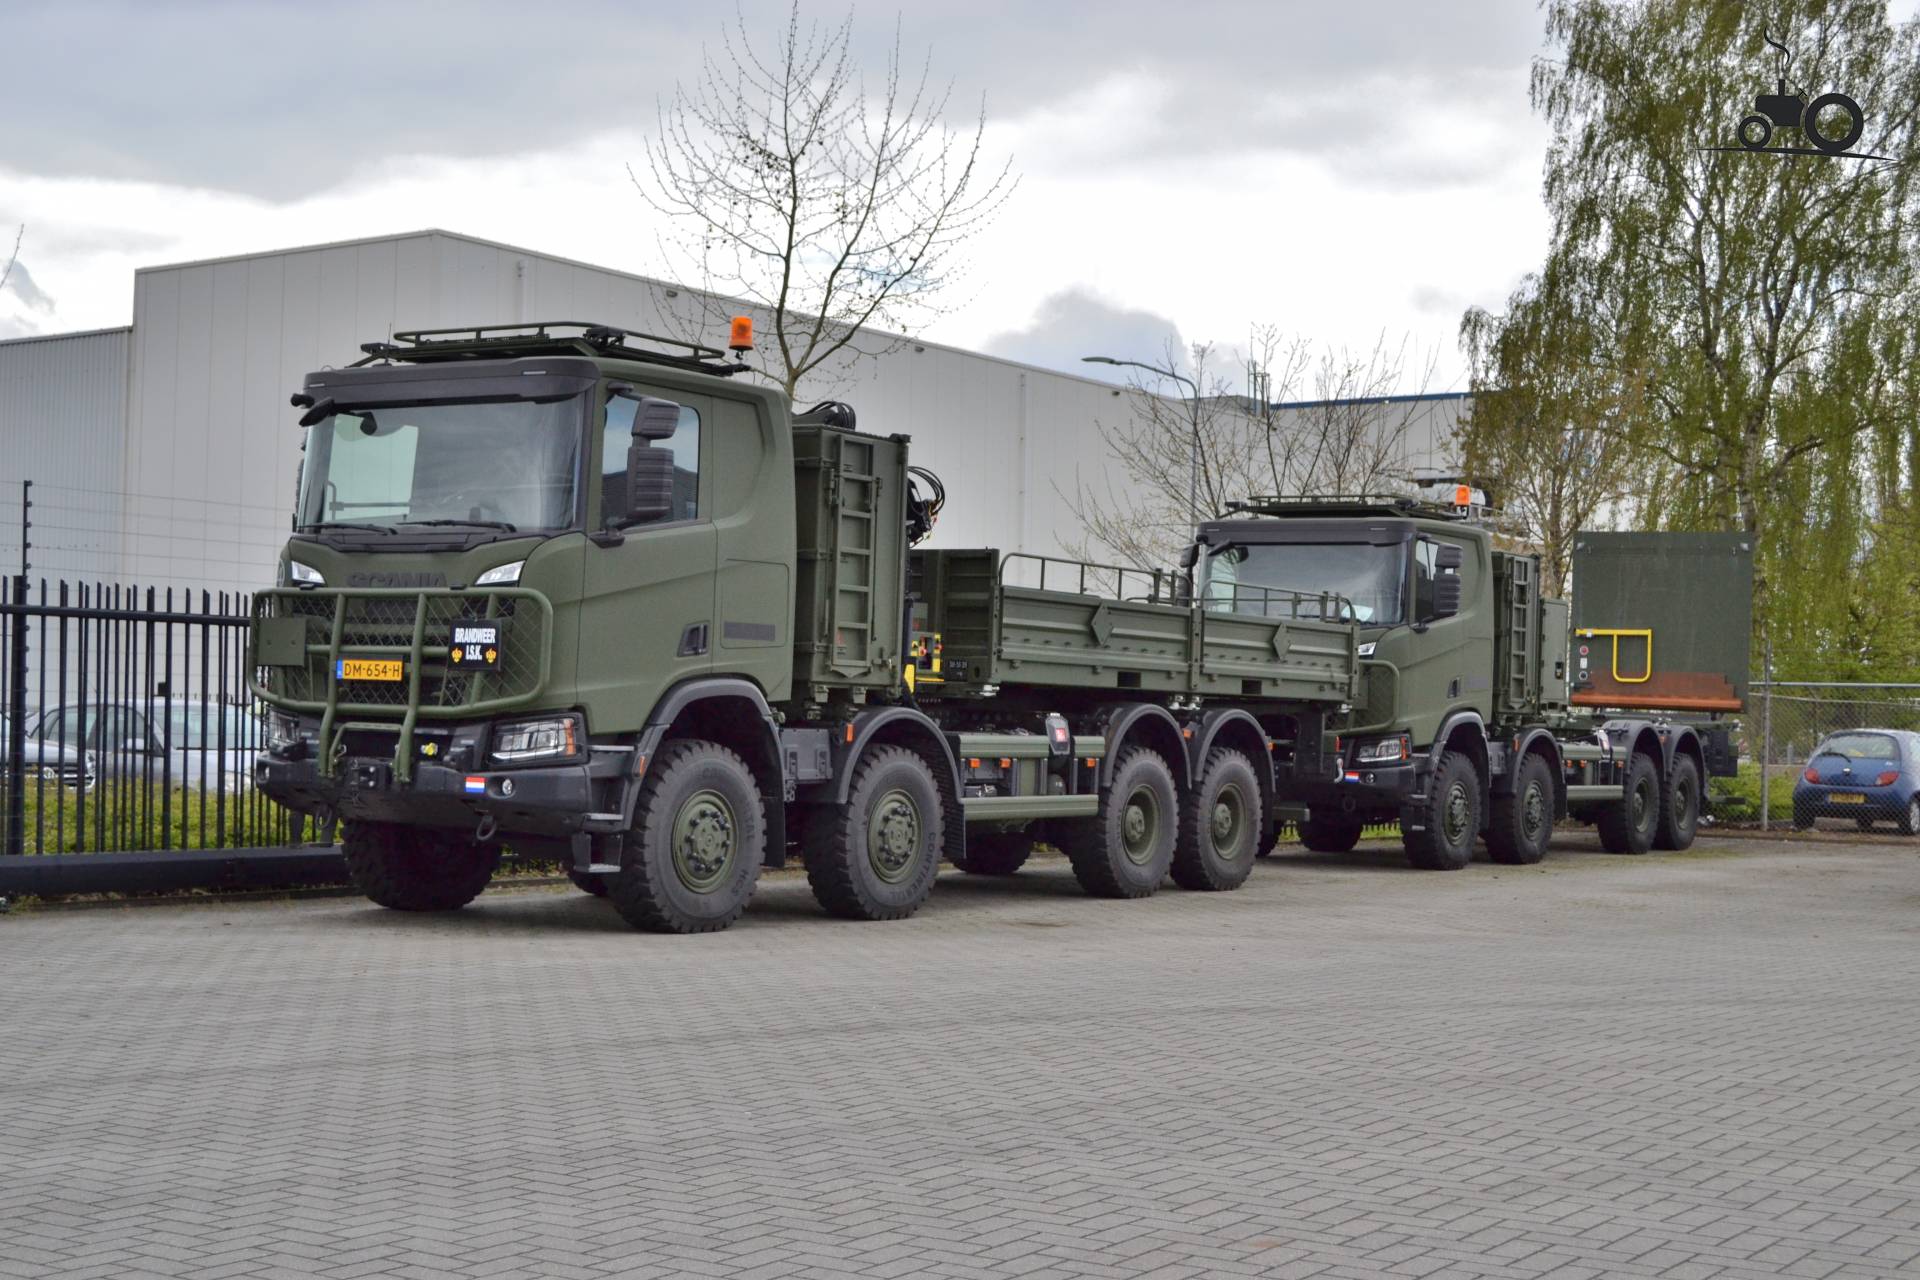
(1268, 578)
(513, 465)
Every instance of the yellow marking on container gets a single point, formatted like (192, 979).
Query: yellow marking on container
(1617, 634)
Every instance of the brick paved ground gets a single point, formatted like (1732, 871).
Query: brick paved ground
(1673, 1066)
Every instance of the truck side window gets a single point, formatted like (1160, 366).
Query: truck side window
(684, 444)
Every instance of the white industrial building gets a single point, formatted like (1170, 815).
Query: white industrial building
(164, 453)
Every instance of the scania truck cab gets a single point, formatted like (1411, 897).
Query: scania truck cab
(1467, 725)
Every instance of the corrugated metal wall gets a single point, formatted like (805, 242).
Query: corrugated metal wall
(63, 421)
(219, 346)
(204, 467)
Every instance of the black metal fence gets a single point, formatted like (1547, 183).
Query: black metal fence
(127, 724)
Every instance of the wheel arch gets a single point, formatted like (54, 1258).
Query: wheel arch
(1539, 741)
(912, 729)
(1465, 732)
(1233, 727)
(734, 713)
(1683, 741)
(1640, 737)
(1146, 724)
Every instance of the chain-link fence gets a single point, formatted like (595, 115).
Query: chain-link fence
(1827, 755)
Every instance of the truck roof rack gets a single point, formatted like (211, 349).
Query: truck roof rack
(548, 337)
(1344, 504)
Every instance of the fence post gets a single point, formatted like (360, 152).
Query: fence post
(17, 711)
(1766, 737)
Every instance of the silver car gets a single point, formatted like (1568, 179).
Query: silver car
(201, 746)
(67, 765)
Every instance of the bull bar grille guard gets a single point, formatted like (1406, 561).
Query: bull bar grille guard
(335, 623)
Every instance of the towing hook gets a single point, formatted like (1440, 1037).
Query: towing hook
(489, 825)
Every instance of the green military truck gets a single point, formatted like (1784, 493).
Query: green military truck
(1485, 711)
(576, 592)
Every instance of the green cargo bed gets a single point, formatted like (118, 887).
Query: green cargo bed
(995, 621)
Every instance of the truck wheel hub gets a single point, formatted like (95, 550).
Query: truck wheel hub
(1458, 807)
(1140, 827)
(1533, 815)
(1226, 818)
(893, 836)
(703, 841)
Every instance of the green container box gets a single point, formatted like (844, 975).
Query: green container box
(1665, 620)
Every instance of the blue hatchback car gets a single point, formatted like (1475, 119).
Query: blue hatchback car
(1869, 775)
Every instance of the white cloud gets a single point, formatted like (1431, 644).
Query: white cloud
(1213, 203)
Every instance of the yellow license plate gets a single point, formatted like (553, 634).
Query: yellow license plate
(1847, 797)
(368, 669)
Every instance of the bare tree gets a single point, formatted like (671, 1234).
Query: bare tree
(1178, 460)
(7, 271)
(793, 188)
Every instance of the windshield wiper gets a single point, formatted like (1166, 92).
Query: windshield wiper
(322, 525)
(501, 525)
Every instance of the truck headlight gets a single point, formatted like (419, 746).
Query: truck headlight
(282, 732)
(1384, 750)
(504, 575)
(551, 738)
(304, 575)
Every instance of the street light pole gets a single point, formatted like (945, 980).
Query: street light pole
(1193, 417)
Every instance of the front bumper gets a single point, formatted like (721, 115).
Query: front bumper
(552, 800)
(1376, 789)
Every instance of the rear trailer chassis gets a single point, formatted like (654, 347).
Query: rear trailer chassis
(1589, 768)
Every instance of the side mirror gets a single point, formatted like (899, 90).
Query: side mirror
(1190, 556)
(649, 478)
(318, 413)
(655, 419)
(1447, 560)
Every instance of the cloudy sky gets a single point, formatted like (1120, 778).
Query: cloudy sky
(1339, 170)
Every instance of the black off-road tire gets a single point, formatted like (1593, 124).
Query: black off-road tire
(995, 853)
(1627, 825)
(1221, 826)
(1333, 833)
(587, 883)
(691, 860)
(875, 857)
(1679, 805)
(1440, 835)
(1126, 849)
(416, 869)
(1521, 822)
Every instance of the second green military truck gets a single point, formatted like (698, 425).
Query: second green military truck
(578, 592)
(1484, 710)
